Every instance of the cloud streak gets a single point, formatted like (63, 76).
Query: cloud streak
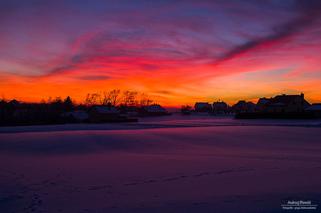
(309, 12)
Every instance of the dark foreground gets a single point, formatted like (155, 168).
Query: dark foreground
(182, 169)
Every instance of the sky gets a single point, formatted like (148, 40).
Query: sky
(177, 52)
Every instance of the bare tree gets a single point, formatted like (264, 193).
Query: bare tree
(129, 98)
(111, 97)
(144, 100)
(93, 99)
(57, 100)
(115, 98)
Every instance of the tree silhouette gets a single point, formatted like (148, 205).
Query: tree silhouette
(68, 104)
(111, 97)
(129, 98)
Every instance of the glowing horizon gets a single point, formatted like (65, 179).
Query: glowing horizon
(177, 53)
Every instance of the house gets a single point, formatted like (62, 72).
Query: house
(99, 114)
(243, 106)
(78, 115)
(315, 109)
(154, 110)
(285, 104)
(202, 107)
(261, 104)
(220, 107)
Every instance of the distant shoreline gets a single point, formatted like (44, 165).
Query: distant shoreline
(157, 123)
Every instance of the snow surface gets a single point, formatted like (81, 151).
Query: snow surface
(168, 164)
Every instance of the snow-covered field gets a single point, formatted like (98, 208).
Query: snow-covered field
(170, 164)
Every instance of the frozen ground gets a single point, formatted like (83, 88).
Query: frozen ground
(170, 164)
(173, 121)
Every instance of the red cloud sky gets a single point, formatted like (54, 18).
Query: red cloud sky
(178, 53)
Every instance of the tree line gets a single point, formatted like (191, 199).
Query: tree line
(13, 112)
(116, 97)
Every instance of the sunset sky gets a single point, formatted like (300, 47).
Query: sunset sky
(178, 52)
